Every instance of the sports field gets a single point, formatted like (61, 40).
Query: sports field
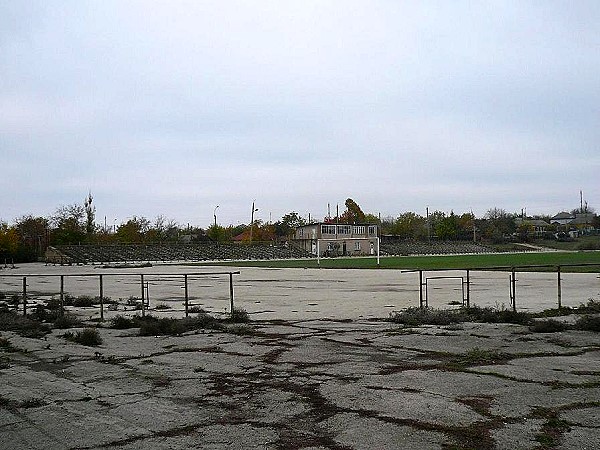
(590, 262)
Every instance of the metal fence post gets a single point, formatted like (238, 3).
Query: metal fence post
(468, 289)
(62, 295)
(101, 298)
(143, 295)
(185, 280)
(231, 291)
(420, 288)
(559, 287)
(513, 289)
(24, 296)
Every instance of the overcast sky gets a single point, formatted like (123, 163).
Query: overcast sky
(176, 107)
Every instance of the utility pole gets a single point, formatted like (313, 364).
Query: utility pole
(252, 220)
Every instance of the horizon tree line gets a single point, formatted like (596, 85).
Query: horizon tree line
(27, 238)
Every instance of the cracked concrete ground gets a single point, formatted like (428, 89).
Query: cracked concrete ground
(305, 384)
(315, 373)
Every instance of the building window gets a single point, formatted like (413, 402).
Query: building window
(327, 229)
(344, 229)
(372, 230)
(359, 229)
(357, 246)
(301, 232)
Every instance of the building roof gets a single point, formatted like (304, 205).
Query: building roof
(583, 219)
(563, 215)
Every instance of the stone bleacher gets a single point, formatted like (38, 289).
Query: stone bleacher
(103, 254)
(408, 247)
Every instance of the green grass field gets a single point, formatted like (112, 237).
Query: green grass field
(485, 261)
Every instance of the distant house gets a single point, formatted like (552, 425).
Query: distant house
(540, 227)
(562, 218)
(330, 239)
(575, 224)
(583, 222)
(537, 228)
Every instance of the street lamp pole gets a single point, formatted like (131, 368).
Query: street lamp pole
(252, 220)
(215, 214)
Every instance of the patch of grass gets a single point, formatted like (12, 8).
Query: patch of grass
(152, 326)
(28, 403)
(588, 323)
(481, 357)
(7, 346)
(494, 315)
(480, 261)
(121, 322)
(591, 307)
(24, 326)
(239, 315)
(84, 301)
(160, 381)
(241, 329)
(67, 320)
(552, 430)
(89, 337)
(547, 326)
(415, 316)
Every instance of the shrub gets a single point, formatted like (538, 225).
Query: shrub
(491, 315)
(67, 321)
(547, 326)
(239, 315)
(15, 299)
(134, 301)
(121, 323)
(89, 337)
(42, 314)
(415, 316)
(152, 326)
(84, 301)
(24, 326)
(588, 323)
(196, 310)
(162, 306)
(6, 345)
(591, 307)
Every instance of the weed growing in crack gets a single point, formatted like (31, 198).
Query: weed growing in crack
(552, 430)
(24, 326)
(588, 323)
(480, 357)
(89, 337)
(547, 326)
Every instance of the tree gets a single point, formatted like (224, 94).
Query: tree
(33, 237)
(498, 225)
(410, 226)
(90, 215)
(466, 224)
(353, 213)
(69, 226)
(288, 224)
(446, 227)
(9, 242)
(217, 233)
(133, 231)
(162, 230)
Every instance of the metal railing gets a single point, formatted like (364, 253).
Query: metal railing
(144, 288)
